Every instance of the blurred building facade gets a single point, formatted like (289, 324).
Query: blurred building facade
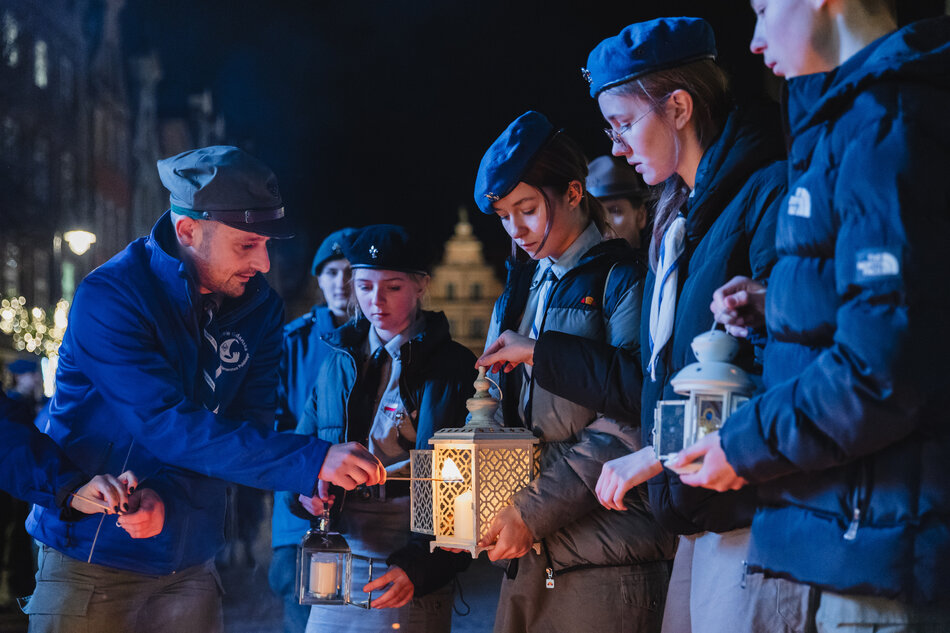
(78, 148)
(465, 287)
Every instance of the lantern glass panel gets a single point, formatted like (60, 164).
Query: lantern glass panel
(708, 414)
(669, 426)
(737, 401)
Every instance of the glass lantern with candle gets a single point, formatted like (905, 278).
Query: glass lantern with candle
(714, 389)
(325, 567)
(470, 474)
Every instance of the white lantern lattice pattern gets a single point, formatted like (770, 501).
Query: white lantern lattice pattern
(475, 471)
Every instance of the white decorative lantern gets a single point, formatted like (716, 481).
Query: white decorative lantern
(470, 474)
(714, 389)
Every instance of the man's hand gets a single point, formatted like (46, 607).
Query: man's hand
(105, 493)
(350, 465)
(620, 475)
(716, 473)
(739, 305)
(397, 595)
(146, 515)
(508, 351)
(509, 534)
(314, 505)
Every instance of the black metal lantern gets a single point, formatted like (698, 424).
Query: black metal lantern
(325, 567)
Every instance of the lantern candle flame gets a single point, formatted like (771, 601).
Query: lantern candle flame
(451, 472)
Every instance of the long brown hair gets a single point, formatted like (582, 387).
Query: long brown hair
(559, 163)
(708, 86)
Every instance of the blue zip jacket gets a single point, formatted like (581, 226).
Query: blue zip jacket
(127, 398)
(303, 353)
(851, 442)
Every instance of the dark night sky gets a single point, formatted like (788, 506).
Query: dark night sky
(379, 111)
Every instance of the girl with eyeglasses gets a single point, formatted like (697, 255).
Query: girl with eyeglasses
(597, 570)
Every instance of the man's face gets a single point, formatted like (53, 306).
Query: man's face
(334, 282)
(226, 258)
(789, 34)
(626, 219)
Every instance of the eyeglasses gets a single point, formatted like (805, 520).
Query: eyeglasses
(616, 136)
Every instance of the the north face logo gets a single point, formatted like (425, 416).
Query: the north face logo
(799, 204)
(877, 263)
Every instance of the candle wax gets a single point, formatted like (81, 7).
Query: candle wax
(323, 578)
(464, 522)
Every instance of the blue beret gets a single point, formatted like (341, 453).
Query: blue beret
(509, 157)
(228, 185)
(331, 248)
(647, 47)
(385, 247)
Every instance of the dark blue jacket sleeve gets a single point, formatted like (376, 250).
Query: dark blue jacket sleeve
(591, 373)
(863, 392)
(33, 468)
(113, 344)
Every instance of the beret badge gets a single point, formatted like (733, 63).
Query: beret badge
(494, 197)
(373, 252)
(586, 75)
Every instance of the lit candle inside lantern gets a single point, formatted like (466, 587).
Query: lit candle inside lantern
(463, 506)
(464, 527)
(322, 577)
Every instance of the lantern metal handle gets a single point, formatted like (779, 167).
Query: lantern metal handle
(364, 604)
(501, 396)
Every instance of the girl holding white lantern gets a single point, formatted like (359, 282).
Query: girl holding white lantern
(392, 377)
(598, 570)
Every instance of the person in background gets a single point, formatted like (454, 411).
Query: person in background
(391, 378)
(626, 199)
(34, 469)
(168, 368)
(19, 405)
(849, 444)
(302, 354)
(598, 570)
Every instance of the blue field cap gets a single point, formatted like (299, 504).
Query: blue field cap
(330, 249)
(647, 47)
(385, 247)
(609, 177)
(509, 157)
(228, 185)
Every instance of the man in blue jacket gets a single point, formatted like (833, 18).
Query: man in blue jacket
(850, 443)
(303, 353)
(169, 368)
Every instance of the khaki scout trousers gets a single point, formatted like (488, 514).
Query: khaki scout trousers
(73, 596)
(623, 599)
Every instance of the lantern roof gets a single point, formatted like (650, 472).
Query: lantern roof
(472, 433)
(715, 376)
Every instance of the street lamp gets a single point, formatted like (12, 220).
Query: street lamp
(79, 241)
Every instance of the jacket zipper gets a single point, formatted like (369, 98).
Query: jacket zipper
(858, 501)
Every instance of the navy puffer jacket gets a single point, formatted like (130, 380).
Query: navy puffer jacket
(852, 439)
